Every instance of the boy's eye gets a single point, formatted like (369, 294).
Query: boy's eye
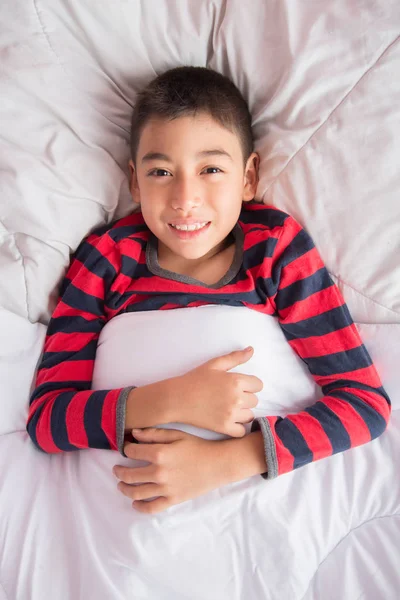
(158, 171)
(214, 169)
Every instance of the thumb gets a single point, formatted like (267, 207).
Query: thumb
(154, 435)
(231, 360)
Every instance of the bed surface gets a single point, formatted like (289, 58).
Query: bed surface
(321, 80)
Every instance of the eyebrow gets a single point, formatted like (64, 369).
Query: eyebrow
(204, 153)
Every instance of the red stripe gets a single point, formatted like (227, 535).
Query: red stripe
(121, 284)
(75, 419)
(373, 399)
(74, 269)
(288, 232)
(109, 250)
(93, 238)
(135, 218)
(261, 270)
(329, 343)
(351, 420)
(261, 234)
(89, 283)
(39, 401)
(367, 375)
(132, 248)
(64, 310)
(108, 417)
(304, 266)
(68, 342)
(313, 434)
(73, 370)
(43, 429)
(313, 305)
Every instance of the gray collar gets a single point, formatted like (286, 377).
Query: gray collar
(154, 267)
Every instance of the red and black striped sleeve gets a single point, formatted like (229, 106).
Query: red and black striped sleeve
(64, 413)
(315, 320)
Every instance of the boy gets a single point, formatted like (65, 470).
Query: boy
(201, 239)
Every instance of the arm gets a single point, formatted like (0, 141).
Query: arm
(315, 320)
(64, 413)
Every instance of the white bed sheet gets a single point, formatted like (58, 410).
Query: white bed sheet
(321, 80)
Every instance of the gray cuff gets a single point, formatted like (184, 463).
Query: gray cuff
(269, 446)
(120, 418)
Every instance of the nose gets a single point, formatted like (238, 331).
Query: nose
(185, 194)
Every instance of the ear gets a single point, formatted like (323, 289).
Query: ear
(133, 183)
(251, 177)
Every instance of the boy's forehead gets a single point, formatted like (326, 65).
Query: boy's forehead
(200, 133)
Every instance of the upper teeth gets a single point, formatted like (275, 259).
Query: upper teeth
(190, 227)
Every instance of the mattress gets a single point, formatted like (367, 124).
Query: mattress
(322, 84)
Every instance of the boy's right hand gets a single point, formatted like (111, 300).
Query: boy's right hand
(211, 398)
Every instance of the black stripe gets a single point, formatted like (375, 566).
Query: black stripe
(326, 322)
(303, 288)
(300, 244)
(74, 324)
(50, 359)
(332, 425)
(255, 255)
(341, 383)
(294, 441)
(92, 421)
(99, 264)
(373, 420)
(78, 299)
(131, 268)
(160, 299)
(83, 251)
(120, 232)
(58, 422)
(64, 284)
(124, 231)
(93, 260)
(339, 362)
(271, 217)
(115, 300)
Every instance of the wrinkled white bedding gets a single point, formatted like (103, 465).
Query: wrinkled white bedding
(322, 83)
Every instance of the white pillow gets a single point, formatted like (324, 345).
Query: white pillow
(139, 348)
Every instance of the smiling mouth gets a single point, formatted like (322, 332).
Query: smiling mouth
(190, 226)
(188, 232)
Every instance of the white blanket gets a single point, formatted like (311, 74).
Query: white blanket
(69, 533)
(321, 79)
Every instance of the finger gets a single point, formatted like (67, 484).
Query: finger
(236, 430)
(132, 475)
(155, 506)
(139, 492)
(231, 360)
(244, 416)
(142, 451)
(249, 400)
(251, 383)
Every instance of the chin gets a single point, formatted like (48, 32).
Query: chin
(192, 255)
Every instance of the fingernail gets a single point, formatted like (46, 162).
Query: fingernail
(136, 430)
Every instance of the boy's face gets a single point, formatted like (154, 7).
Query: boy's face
(180, 180)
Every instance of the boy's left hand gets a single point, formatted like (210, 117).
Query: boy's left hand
(182, 467)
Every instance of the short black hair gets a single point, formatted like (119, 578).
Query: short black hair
(187, 90)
